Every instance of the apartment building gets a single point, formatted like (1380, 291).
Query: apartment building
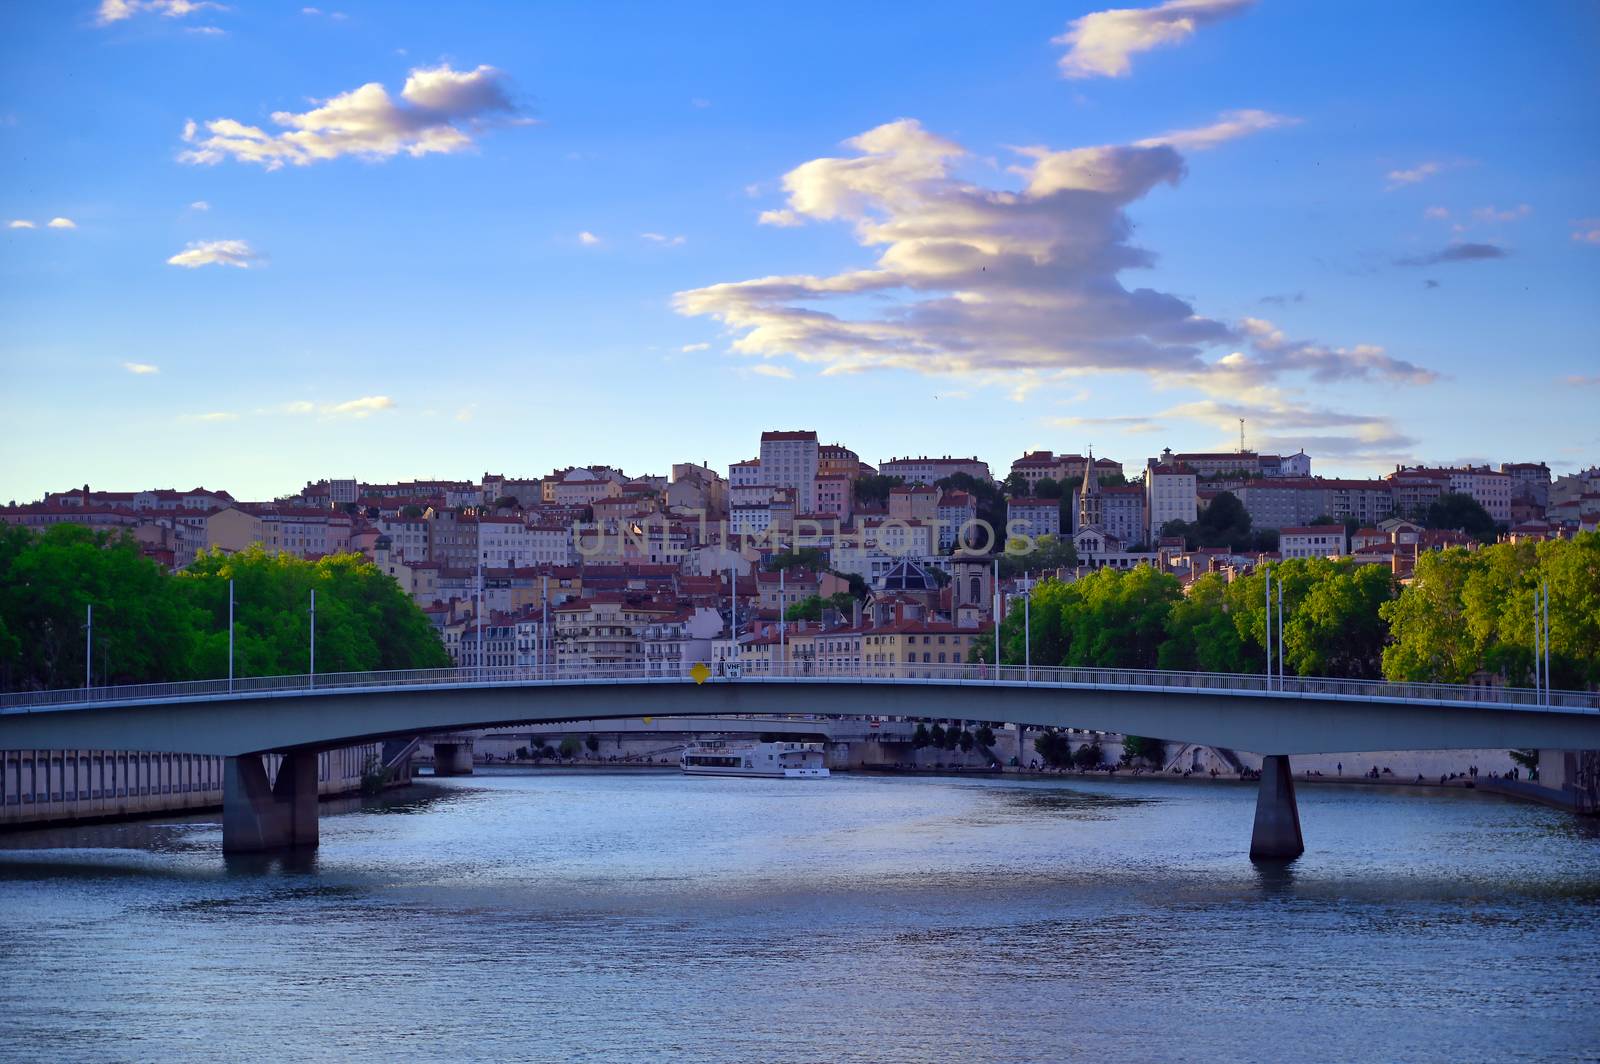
(789, 460)
(1312, 541)
(924, 470)
(1170, 495)
(1033, 517)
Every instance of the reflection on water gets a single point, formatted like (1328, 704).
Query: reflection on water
(641, 915)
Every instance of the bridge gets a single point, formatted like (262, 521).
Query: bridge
(297, 716)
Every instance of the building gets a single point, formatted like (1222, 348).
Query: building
(605, 632)
(837, 459)
(914, 502)
(1122, 513)
(956, 510)
(915, 648)
(1170, 494)
(789, 460)
(1283, 502)
(1312, 541)
(1029, 516)
(1064, 469)
(453, 538)
(926, 470)
(835, 495)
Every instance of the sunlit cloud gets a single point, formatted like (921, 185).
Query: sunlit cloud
(1493, 214)
(200, 205)
(588, 239)
(767, 369)
(117, 10)
(691, 348)
(1230, 126)
(663, 239)
(62, 223)
(439, 111)
(1102, 44)
(1586, 230)
(1415, 175)
(20, 223)
(141, 369)
(975, 280)
(216, 253)
(360, 408)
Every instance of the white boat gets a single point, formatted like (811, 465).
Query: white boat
(766, 760)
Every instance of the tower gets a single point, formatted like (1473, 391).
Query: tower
(1089, 508)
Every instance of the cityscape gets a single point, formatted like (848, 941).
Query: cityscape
(574, 532)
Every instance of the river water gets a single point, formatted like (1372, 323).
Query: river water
(647, 916)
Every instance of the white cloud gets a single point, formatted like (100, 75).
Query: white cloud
(767, 369)
(781, 218)
(62, 223)
(199, 205)
(1230, 126)
(141, 369)
(1021, 285)
(1584, 230)
(20, 223)
(116, 10)
(662, 238)
(691, 348)
(363, 407)
(315, 12)
(588, 239)
(1101, 44)
(215, 415)
(206, 31)
(1437, 214)
(215, 253)
(1415, 175)
(1492, 214)
(439, 111)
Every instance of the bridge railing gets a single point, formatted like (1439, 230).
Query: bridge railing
(761, 671)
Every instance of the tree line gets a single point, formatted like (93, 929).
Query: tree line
(154, 626)
(1462, 613)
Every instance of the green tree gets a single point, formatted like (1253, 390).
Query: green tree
(1460, 513)
(936, 736)
(1138, 748)
(1089, 755)
(570, 745)
(921, 738)
(810, 608)
(1201, 636)
(873, 489)
(983, 736)
(1048, 552)
(591, 742)
(1047, 488)
(812, 558)
(1466, 611)
(1336, 628)
(1053, 749)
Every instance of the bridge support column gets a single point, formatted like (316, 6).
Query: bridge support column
(1277, 831)
(452, 759)
(257, 816)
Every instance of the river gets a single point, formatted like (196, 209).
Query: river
(592, 916)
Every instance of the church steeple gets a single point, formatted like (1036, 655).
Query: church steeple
(1089, 495)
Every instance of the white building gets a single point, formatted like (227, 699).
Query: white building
(1170, 495)
(926, 470)
(789, 460)
(1312, 541)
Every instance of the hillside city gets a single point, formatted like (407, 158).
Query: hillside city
(807, 552)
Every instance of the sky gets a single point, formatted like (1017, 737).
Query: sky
(254, 244)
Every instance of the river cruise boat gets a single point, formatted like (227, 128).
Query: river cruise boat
(766, 760)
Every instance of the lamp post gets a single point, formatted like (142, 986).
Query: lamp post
(230, 634)
(88, 646)
(1269, 628)
(997, 606)
(783, 645)
(1027, 633)
(312, 674)
(1280, 633)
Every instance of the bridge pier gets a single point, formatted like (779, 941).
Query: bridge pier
(257, 816)
(1277, 829)
(452, 758)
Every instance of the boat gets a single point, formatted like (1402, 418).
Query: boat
(763, 760)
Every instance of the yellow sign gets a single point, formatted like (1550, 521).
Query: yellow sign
(701, 672)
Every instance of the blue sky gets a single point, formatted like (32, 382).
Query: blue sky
(1371, 229)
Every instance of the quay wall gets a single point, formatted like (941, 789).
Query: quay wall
(61, 786)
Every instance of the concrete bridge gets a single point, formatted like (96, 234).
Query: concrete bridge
(298, 716)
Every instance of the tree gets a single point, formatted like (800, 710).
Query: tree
(984, 736)
(1337, 629)
(1466, 611)
(936, 736)
(810, 608)
(592, 743)
(1015, 484)
(1201, 636)
(873, 489)
(921, 738)
(570, 746)
(966, 740)
(814, 559)
(1138, 748)
(1047, 488)
(1049, 552)
(1460, 513)
(1053, 749)
(1089, 755)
